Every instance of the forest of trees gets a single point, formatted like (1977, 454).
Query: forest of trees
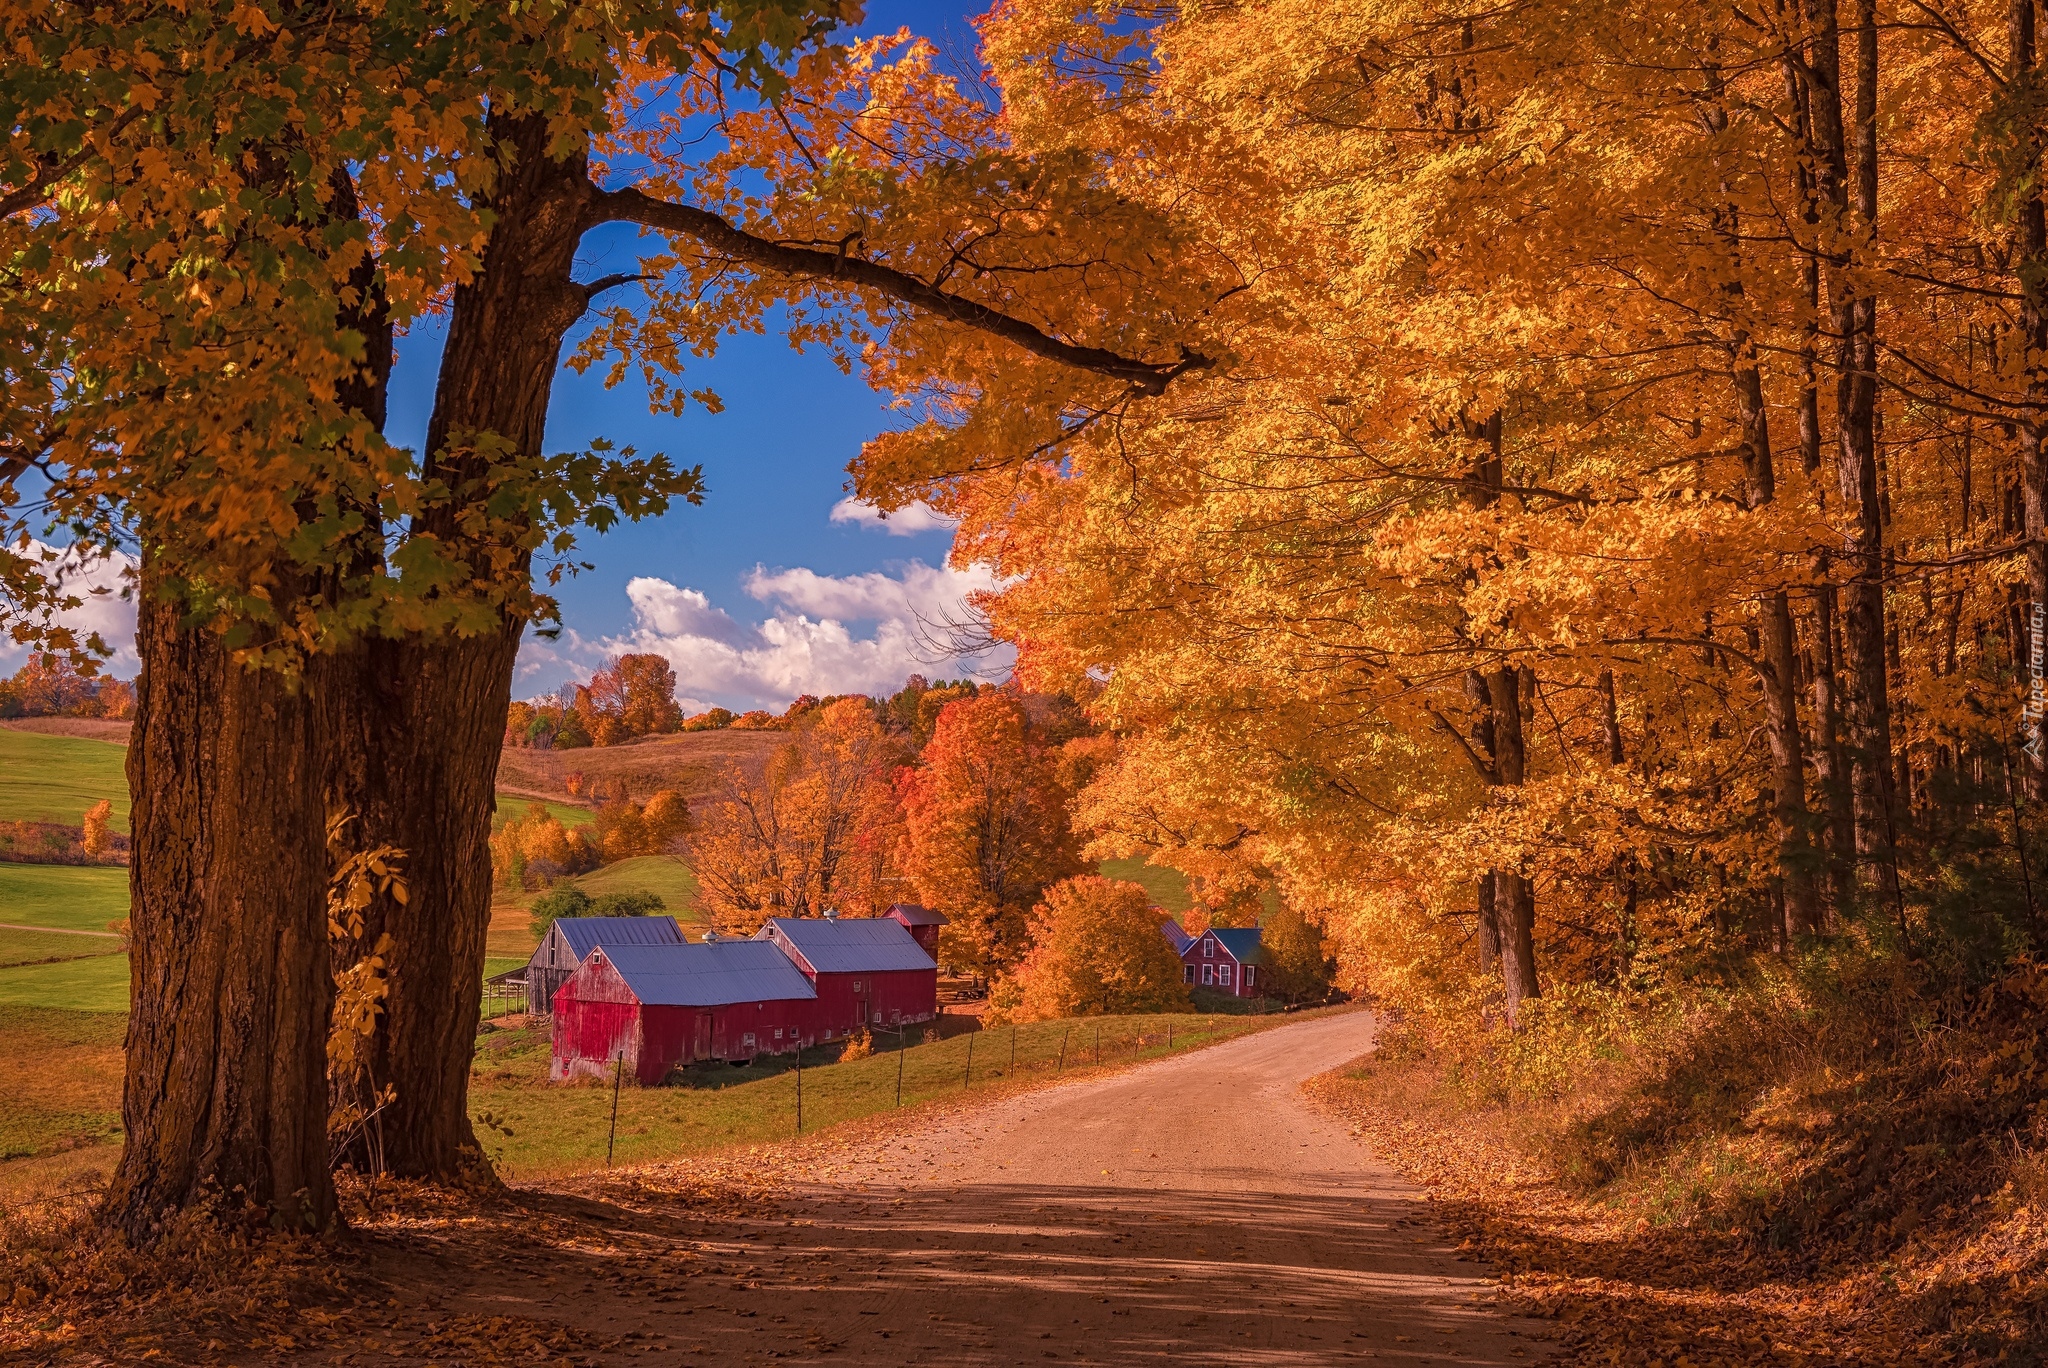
(1557, 495)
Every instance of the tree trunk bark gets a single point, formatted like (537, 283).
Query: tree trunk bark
(1831, 763)
(1788, 770)
(420, 762)
(225, 1088)
(1515, 895)
(1846, 171)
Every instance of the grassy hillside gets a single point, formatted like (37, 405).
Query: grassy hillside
(56, 778)
(690, 762)
(1168, 887)
(512, 805)
(69, 897)
(98, 984)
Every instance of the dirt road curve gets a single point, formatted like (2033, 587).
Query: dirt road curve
(1194, 1211)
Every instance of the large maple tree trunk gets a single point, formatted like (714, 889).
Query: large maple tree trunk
(225, 1088)
(420, 761)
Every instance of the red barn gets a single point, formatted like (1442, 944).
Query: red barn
(921, 922)
(1223, 957)
(865, 969)
(660, 1006)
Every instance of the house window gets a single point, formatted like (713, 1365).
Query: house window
(1208, 949)
(1223, 974)
(1208, 975)
(1187, 972)
(1248, 976)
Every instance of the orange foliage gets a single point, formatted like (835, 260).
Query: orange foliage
(985, 829)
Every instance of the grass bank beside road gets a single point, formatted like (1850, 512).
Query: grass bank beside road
(557, 1130)
(1813, 1164)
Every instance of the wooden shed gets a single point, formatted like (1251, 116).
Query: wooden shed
(865, 969)
(921, 922)
(652, 1008)
(570, 939)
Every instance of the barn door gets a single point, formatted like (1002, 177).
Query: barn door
(701, 1046)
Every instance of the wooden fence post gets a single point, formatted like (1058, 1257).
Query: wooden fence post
(618, 1072)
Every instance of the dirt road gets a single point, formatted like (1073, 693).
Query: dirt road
(1193, 1211)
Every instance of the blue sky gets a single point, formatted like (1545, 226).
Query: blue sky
(775, 463)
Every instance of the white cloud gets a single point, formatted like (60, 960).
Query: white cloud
(826, 634)
(100, 583)
(907, 521)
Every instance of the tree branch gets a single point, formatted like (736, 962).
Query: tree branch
(776, 258)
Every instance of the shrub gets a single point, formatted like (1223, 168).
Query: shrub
(566, 901)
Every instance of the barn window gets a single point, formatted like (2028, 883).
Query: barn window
(1208, 975)
(747, 1041)
(778, 1033)
(856, 985)
(1223, 974)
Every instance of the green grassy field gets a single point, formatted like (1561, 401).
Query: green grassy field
(99, 984)
(1168, 887)
(61, 1074)
(71, 897)
(512, 805)
(56, 778)
(558, 1129)
(663, 874)
(38, 947)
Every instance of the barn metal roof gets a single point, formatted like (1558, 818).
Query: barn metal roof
(708, 974)
(1176, 936)
(917, 914)
(584, 934)
(851, 945)
(1241, 941)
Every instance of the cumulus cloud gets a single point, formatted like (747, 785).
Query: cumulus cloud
(825, 634)
(904, 522)
(100, 582)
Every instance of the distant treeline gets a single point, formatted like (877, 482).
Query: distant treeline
(49, 686)
(635, 695)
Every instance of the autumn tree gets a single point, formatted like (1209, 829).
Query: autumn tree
(985, 829)
(815, 830)
(1096, 948)
(95, 838)
(631, 695)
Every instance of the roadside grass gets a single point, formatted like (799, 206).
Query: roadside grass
(533, 1128)
(95, 985)
(68, 897)
(60, 1072)
(56, 778)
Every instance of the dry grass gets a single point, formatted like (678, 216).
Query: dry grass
(91, 728)
(690, 762)
(1829, 1167)
(61, 1075)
